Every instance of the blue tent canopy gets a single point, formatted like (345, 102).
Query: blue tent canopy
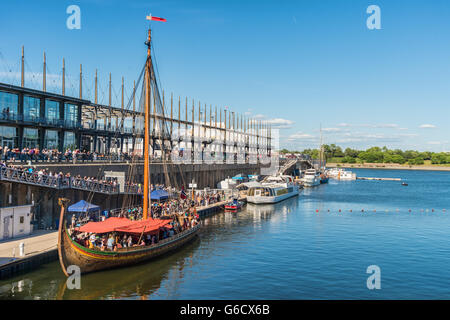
(159, 195)
(83, 206)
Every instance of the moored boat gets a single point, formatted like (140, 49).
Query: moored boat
(346, 175)
(234, 205)
(143, 239)
(341, 174)
(74, 253)
(273, 189)
(311, 178)
(324, 178)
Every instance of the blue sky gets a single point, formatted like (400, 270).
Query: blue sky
(296, 64)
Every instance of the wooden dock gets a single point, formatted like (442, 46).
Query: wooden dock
(382, 179)
(206, 211)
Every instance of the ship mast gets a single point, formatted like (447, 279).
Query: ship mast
(321, 150)
(147, 129)
(148, 79)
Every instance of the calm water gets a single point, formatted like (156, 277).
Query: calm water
(289, 251)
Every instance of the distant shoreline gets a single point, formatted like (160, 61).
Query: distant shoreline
(387, 166)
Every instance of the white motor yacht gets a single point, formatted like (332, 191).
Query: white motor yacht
(273, 189)
(311, 178)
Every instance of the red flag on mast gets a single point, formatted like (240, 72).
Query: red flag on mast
(182, 193)
(156, 18)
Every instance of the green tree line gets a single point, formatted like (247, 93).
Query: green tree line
(335, 153)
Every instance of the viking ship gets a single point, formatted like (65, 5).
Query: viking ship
(72, 252)
(89, 260)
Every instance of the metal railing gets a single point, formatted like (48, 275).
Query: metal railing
(56, 182)
(94, 186)
(34, 178)
(287, 165)
(133, 189)
(18, 157)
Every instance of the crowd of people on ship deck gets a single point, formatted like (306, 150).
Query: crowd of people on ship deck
(172, 205)
(112, 241)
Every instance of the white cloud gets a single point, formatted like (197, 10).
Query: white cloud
(386, 125)
(300, 136)
(365, 125)
(434, 142)
(365, 137)
(276, 123)
(427, 126)
(279, 121)
(331, 129)
(408, 135)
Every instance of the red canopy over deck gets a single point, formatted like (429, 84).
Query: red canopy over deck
(146, 226)
(114, 224)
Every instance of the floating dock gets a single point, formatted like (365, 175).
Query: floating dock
(211, 209)
(382, 179)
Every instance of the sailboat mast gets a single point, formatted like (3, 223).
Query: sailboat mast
(321, 149)
(147, 130)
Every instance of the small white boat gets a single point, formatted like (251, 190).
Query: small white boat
(333, 172)
(273, 189)
(341, 174)
(347, 175)
(311, 178)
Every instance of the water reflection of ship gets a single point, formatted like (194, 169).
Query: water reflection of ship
(141, 281)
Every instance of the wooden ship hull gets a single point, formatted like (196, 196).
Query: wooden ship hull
(88, 260)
